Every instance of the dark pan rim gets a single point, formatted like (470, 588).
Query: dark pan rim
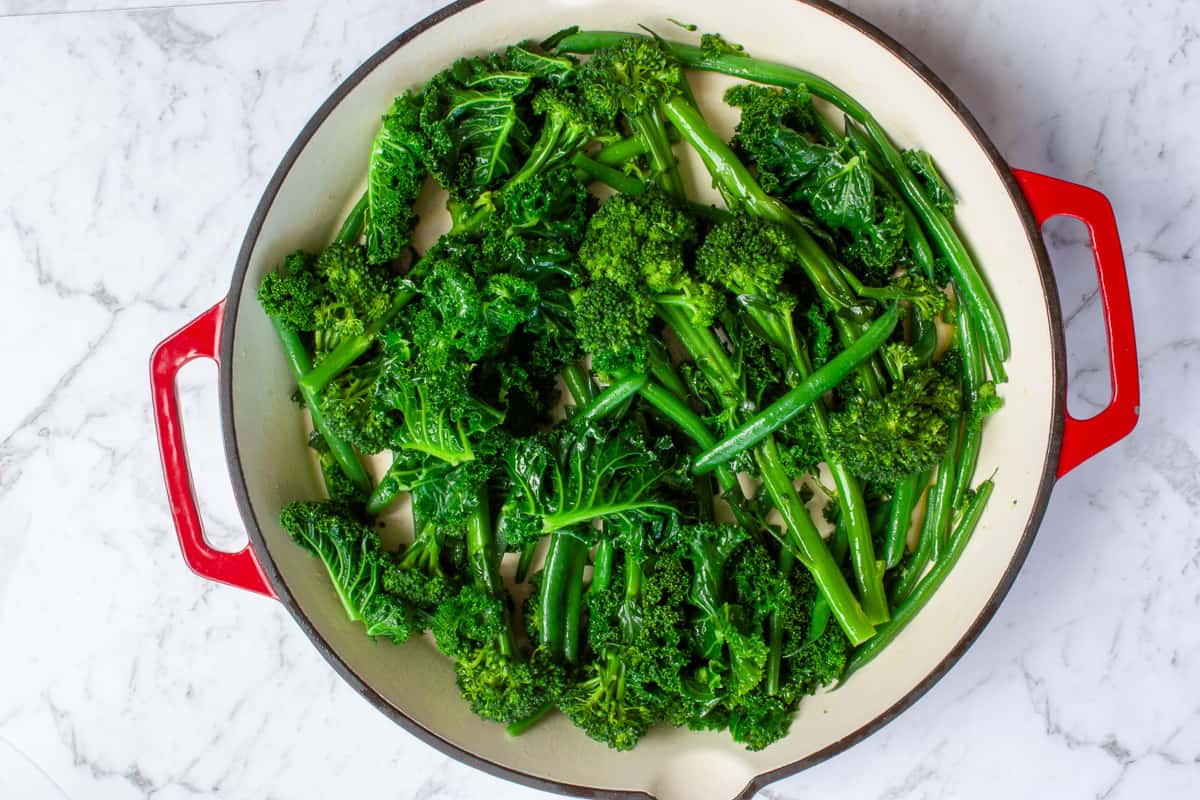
(430, 737)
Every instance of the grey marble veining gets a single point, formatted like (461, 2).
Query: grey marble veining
(135, 144)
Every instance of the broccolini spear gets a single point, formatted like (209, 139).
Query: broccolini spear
(495, 678)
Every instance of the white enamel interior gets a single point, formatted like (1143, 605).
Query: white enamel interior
(416, 680)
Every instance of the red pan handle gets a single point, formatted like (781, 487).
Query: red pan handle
(200, 338)
(1049, 197)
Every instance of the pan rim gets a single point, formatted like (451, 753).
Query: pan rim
(757, 782)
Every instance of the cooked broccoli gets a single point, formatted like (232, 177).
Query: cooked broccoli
(766, 362)
(907, 430)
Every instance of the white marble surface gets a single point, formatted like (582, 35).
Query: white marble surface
(134, 146)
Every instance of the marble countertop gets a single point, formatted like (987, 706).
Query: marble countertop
(135, 143)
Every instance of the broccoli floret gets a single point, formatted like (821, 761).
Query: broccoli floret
(760, 719)
(336, 293)
(884, 440)
(423, 574)
(505, 688)
(350, 409)
(606, 707)
(613, 325)
(467, 621)
(639, 241)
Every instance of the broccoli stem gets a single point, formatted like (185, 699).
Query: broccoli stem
(485, 564)
(943, 493)
(867, 572)
(579, 383)
(800, 397)
(620, 151)
(561, 607)
(611, 399)
(973, 380)
(936, 522)
(352, 348)
(775, 628)
(904, 500)
(674, 408)
(613, 178)
(912, 605)
(810, 547)
(298, 360)
(664, 371)
(602, 565)
(573, 599)
(525, 561)
(819, 616)
(652, 131)
(352, 228)
(519, 727)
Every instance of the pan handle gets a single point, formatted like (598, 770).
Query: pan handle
(1050, 197)
(200, 338)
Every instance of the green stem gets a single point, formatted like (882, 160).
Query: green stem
(551, 608)
(352, 348)
(906, 611)
(525, 561)
(484, 563)
(612, 398)
(579, 383)
(710, 357)
(602, 565)
(614, 178)
(620, 151)
(300, 364)
(810, 548)
(943, 493)
(522, 725)
(664, 371)
(867, 572)
(904, 500)
(973, 380)
(803, 395)
(674, 408)
(356, 220)
(775, 629)
(573, 598)
(649, 128)
(934, 527)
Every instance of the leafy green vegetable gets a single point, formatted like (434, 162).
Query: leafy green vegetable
(771, 362)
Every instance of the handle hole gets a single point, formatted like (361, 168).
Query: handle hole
(201, 421)
(1089, 387)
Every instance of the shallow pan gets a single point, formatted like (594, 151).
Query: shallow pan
(1030, 443)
